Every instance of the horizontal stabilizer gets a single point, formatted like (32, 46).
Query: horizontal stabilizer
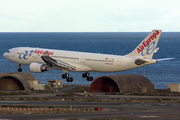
(164, 59)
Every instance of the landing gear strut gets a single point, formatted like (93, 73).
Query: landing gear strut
(66, 76)
(19, 69)
(86, 75)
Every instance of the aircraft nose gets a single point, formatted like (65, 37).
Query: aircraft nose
(5, 55)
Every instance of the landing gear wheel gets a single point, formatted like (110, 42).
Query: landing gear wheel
(19, 69)
(85, 75)
(69, 79)
(65, 75)
(89, 78)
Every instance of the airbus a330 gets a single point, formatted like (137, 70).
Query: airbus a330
(40, 59)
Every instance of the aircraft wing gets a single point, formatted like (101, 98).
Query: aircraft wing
(61, 65)
(52, 63)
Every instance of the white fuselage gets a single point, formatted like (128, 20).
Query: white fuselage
(85, 61)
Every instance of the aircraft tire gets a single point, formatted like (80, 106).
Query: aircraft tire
(69, 79)
(19, 69)
(89, 78)
(85, 75)
(65, 75)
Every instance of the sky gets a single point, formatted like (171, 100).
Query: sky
(89, 15)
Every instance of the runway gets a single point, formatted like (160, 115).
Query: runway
(99, 115)
(88, 104)
(113, 110)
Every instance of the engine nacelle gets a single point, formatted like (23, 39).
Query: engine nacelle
(37, 68)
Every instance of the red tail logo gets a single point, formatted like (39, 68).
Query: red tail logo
(147, 42)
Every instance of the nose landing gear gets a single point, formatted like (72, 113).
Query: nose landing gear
(19, 69)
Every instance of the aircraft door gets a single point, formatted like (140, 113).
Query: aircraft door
(14, 53)
(119, 62)
(83, 59)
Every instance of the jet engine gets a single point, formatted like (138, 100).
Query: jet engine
(37, 68)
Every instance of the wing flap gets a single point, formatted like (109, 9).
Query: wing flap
(57, 64)
(54, 63)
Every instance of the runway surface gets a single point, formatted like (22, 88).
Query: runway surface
(113, 110)
(87, 104)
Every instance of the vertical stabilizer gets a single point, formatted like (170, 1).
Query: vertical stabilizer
(146, 48)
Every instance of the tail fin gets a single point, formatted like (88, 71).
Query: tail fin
(146, 48)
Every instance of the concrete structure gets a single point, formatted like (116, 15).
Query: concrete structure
(33, 82)
(54, 84)
(174, 87)
(39, 87)
(17, 81)
(121, 83)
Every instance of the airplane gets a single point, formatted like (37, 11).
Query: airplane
(40, 59)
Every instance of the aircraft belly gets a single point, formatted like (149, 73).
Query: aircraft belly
(100, 67)
(119, 64)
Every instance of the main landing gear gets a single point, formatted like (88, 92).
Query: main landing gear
(86, 75)
(19, 69)
(66, 76)
(70, 79)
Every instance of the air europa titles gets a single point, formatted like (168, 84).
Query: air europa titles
(146, 43)
(42, 52)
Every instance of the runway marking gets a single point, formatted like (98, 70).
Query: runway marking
(148, 116)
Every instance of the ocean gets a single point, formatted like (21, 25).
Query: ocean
(116, 43)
